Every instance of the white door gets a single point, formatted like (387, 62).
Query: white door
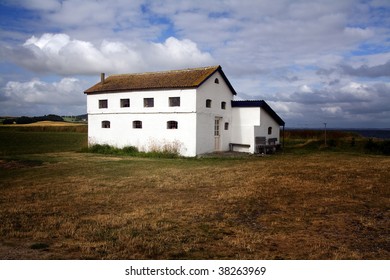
(217, 134)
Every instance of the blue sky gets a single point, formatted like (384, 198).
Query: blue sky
(312, 61)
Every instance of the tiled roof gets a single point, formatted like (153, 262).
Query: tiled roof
(261, 104)
(186, 78)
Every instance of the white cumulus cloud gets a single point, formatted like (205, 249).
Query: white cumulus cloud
(60, 54)
(311, 59)
(63, 97)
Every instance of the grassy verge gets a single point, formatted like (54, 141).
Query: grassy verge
(131, 151)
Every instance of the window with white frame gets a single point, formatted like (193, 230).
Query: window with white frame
(216, 127)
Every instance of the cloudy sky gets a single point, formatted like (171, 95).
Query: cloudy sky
(313, 61)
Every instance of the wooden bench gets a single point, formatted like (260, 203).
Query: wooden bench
(261, 144)
(232, 145)
(272, 141)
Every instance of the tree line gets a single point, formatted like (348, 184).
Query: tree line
(27, 120)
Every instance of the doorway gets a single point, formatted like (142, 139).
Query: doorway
(217, 134)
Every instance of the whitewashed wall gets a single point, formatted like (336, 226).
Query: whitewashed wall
(218, 93)
(251, 122)
(244, 121)
(267, 121)
(154, 132)
(188, 101)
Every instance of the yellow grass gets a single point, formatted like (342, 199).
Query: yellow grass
(82, 206)
(45, 123)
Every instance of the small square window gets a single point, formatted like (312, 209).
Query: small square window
(174, 101)
(208, 103)
(223, 105)
(125, 103)
(103, 103)
(148, 102)
(137, 124)
(172, 125)
(105, 124)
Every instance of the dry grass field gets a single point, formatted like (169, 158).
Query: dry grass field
(46, 124)
(72, 205)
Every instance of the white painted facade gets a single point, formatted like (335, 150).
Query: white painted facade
(200, 129)
(252, 122)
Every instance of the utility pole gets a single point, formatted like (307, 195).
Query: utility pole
(326, 145)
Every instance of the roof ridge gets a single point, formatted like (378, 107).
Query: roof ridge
(248, 100)
(167, 71)
(168, 79)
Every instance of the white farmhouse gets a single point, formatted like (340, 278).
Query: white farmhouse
(191, 110)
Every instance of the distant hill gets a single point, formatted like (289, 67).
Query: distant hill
(52, 124)
(78, 118)
(27, 120)
(84, 116)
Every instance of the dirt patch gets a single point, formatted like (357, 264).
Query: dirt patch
(306, 143)
(20, 251)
